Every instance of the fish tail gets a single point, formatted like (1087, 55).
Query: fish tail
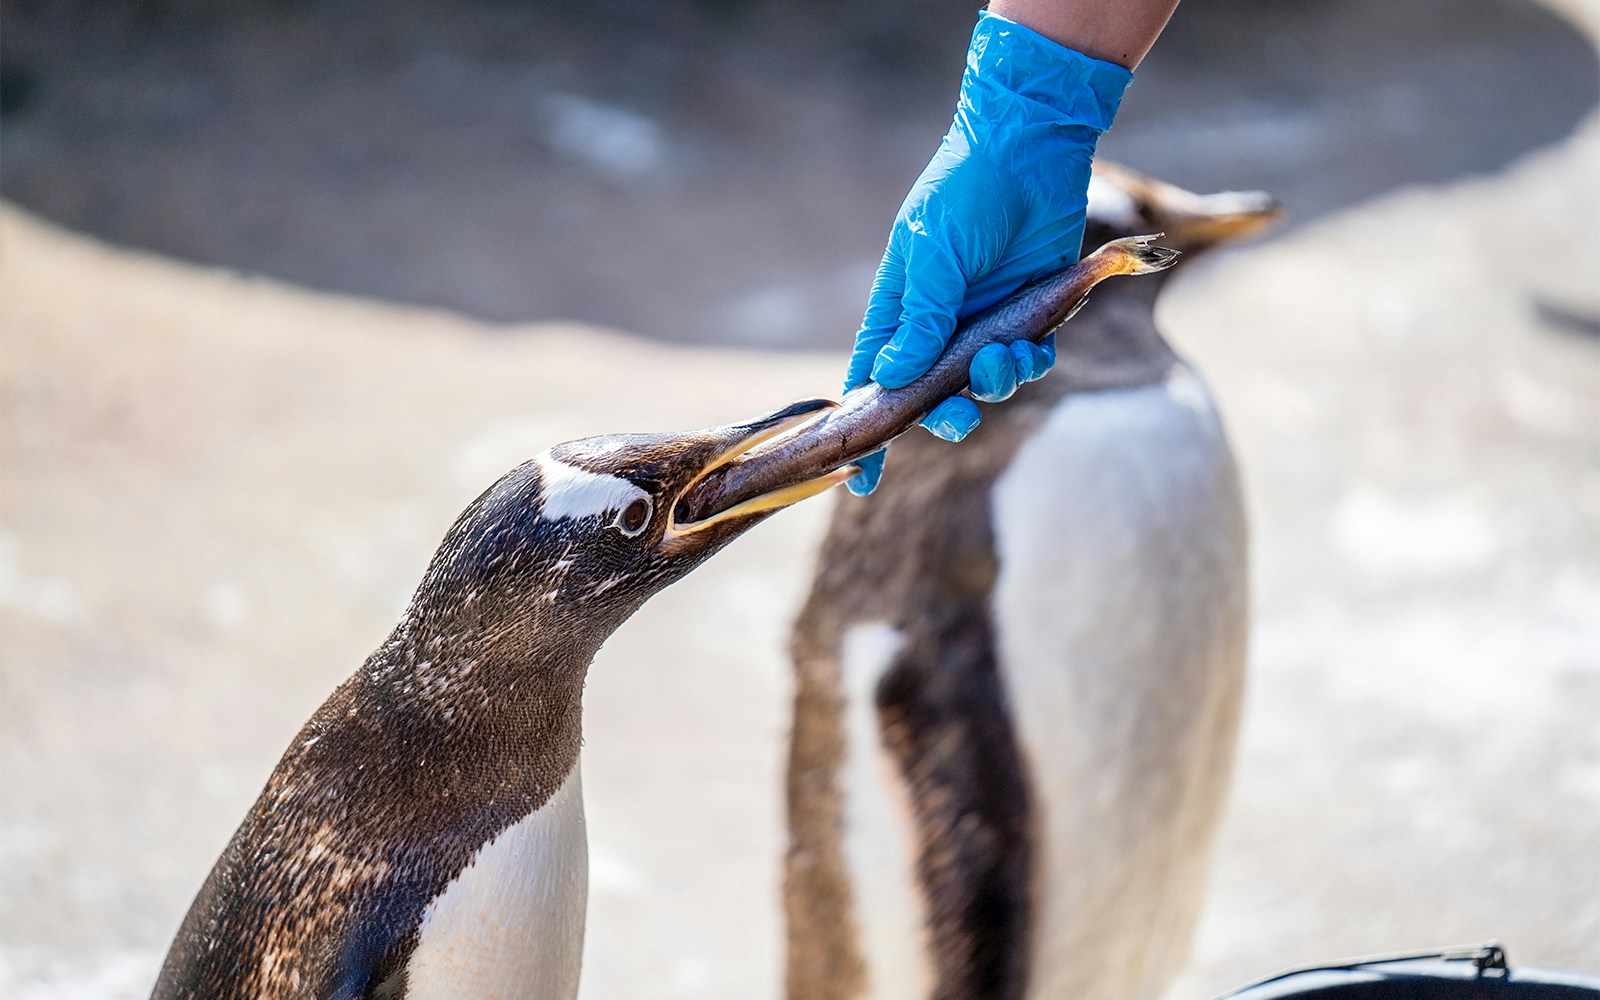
(1133, 255)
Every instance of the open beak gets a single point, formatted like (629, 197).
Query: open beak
(742, 438)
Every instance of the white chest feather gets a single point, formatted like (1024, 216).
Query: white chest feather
(879, 839)
(1120, 612)
(510, 927)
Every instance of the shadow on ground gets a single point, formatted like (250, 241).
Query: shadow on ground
(720, 171)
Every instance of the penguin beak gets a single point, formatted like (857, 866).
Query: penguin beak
(1191, 221)
(739, 439)
(1206, 220)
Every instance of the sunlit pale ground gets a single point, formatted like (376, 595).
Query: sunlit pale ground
(217, 493)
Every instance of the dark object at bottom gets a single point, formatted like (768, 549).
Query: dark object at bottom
(1448, 974)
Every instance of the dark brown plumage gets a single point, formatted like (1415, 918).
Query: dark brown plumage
(463, 722)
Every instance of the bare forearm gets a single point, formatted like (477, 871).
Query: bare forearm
(1116, 31)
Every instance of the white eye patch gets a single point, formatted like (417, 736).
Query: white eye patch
(571, 492)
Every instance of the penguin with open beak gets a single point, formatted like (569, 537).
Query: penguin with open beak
(423, 835)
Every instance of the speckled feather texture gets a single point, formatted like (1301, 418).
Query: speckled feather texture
(423, 835)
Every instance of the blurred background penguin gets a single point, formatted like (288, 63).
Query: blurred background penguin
(1019, 670)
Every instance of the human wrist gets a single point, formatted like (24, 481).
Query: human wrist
(1010, 64)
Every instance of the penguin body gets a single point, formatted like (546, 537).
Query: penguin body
(1018, 677)
(342, 872)
(511, 923)
(423, 836)
(1123, 676)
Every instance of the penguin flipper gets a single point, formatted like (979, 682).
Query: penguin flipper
(372, 964)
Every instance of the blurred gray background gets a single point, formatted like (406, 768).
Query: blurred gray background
(709, 171)
(283, 285)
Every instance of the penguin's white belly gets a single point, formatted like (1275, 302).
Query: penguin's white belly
(879, 834)
(1120, 614)
(511, 924)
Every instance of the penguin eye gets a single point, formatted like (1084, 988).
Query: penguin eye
(634, 517)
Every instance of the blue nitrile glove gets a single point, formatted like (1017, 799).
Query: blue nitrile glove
(1000, 204)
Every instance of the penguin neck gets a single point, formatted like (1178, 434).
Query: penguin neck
(1126, 314)
(494, 688)
(1114, 343)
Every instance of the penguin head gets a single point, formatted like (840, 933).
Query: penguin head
(1123, 203)
(581, 535)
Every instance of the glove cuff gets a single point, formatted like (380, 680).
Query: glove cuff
(1008, 60)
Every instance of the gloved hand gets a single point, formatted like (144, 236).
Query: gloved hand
(1000, 204)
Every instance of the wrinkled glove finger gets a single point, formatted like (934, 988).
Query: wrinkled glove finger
(1022, 359)
(882, 319)
(1032, 360)
(1041, 357)
(952, 419)
(934, 288)
(866, 480)
(994, 373)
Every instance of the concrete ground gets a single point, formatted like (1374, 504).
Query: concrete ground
(216, 492)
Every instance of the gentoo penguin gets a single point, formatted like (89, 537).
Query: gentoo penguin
(1019, 673)
(423, 835)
